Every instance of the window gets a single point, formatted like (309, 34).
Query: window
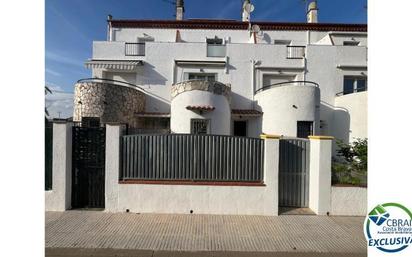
(202, 76)
(199, 126)
(215, 47)
(305, 129)
(283, 42)
(240, 128)
(354, 84)
(351, 43)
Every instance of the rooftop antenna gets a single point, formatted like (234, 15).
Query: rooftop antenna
(247, 9)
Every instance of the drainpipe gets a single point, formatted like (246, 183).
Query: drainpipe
(304, 57)
(253, 63)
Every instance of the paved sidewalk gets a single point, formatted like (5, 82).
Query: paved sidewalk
(90, 233)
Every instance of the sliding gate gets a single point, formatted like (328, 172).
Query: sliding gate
(294, 172)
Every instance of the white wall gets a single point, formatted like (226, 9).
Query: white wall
(219, 118)
(202, 199)
(351, 116)
(59, 198)
(349, 201)
(320, 175)
(280, 116)
(159, 71)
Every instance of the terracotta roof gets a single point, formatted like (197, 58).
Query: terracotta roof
(246, 112)
(235, 25)
(200, 107)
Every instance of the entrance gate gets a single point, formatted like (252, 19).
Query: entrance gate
(88, 167)
(294, 173)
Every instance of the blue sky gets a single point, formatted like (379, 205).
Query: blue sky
(72, 25)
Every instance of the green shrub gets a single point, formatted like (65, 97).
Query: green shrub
(352, 165)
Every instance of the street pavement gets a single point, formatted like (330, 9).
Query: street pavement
(93, 233)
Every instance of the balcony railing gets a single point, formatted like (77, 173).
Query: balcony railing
(135, 49)
(295, 52)
(216, 50)
(288, 83)
(355, 90)
(110, 81)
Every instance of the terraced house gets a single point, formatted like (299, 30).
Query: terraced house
(229, 77)
(223, 117)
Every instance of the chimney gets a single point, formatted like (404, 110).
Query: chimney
(180, 10)
(312, 14)
(245, 13)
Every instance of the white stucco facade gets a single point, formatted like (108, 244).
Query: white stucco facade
(218, 118)
(296, 102)
(350, 116)
(173, 50)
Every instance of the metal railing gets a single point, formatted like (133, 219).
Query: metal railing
(355, 90)
(216, 50)
(189, 157)
(299, 83)
(295, 52)
(135, 49)
(111, 81)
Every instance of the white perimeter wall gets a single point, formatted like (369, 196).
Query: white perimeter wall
(145, 198)
(59, 198)
(349, 201)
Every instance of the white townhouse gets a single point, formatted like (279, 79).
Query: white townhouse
(229, 77)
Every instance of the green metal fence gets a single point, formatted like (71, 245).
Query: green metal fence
(192, 157)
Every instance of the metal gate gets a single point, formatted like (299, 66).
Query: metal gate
(294, 173)
(88, 167)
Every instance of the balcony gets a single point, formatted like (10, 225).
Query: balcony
(135, 49)
(216, 50)
(288, 83)
(295, 52)
(106, 50)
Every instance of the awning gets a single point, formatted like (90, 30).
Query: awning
(116, 65)
(246, 112)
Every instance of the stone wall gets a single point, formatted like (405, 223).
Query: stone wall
(109, 102)
(215, 87)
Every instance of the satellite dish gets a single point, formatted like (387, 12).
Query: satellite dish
(255, 28)
(249, 8)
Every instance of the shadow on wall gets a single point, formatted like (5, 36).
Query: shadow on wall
(338, 121)
(156, 104)
(151, 77)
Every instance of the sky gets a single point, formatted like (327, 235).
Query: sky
(72, 26)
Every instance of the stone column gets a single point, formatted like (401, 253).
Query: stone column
(271, 173)
(320, 174)
(59, 198)
(114, 131)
